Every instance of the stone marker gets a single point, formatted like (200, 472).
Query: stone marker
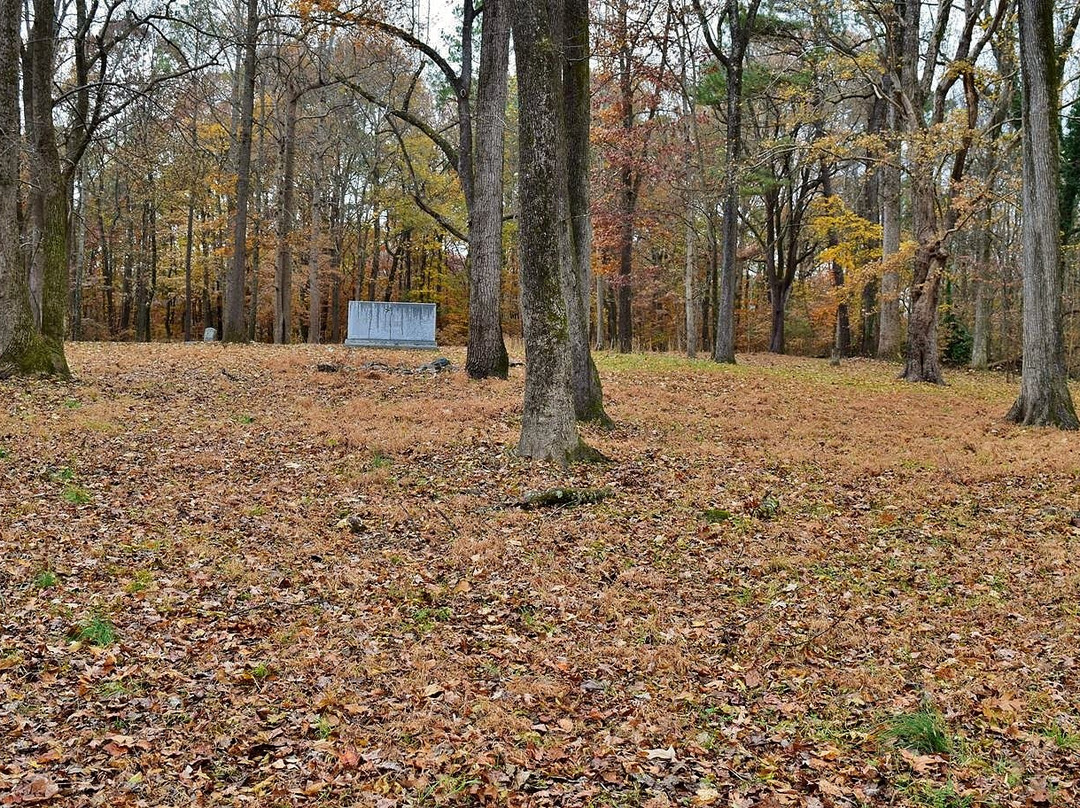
(391, 325)
(209, 335)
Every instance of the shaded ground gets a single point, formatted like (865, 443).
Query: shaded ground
(229, 578)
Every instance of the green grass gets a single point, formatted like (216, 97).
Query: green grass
(76, 495)
(379, 460)
(141, 580)
(930, 795)
(97, 631)
(924, 732)
(260, 672)
(425, 618)
(46, 579)
(1063, 740)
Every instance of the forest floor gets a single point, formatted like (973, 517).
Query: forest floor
(230, 578)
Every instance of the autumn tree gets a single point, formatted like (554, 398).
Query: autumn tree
(728, 38)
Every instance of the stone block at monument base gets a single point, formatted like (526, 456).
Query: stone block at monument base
(391, 325)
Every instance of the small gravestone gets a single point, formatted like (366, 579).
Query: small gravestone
(209, 335)
(391, 325)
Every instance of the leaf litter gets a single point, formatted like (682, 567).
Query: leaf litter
(281, 586)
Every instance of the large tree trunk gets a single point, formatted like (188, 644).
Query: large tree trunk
(777, 304)
(922, 363)
(1044, 392)
(588, 394)
(548, 428)
(233, 326)
(16, 323)
(48, 208)
(486, 355)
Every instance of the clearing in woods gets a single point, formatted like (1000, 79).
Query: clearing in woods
(231, 578)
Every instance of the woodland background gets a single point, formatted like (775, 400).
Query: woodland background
(372, 209)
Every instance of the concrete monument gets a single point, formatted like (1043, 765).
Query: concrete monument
(391, 325)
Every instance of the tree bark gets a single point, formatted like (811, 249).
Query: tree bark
(724, 345)
(548, 426)
(16, 323)
(233, 325)
(588, 393)
(690, 300)
(48, 208)
(740, 26)
(286, 218)
(314, 297)
(1044, 392)
(486, 354)
(888, 345)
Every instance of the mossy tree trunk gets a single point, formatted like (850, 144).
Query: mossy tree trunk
(548, 427)
(37, 345)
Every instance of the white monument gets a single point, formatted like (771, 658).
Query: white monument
(391, 325)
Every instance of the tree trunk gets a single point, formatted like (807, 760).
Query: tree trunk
(78, 259)
(777, 304)
(1044, 391)
(486, 355)
(233, 326)
(690, 286)
(314, 297)
(286, 217)
(888, 345)
(980, 338)
(18, 335)
(588, 393)
(548, 428)
(601, 294)
(724, 346)
(188, 320)
(47, 205)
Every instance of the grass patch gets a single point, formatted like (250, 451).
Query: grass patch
(1064, 740)
(140, 581)
(425, 619)
(75, 495)
(924, 732)
(931, 795)
(98, 630)
(46, 579)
